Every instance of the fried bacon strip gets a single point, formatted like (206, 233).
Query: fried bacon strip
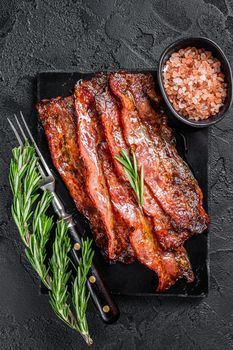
(88, 137)
(57, 116)
(138, 83)
(181, 200)
(169, 266)
(143, 91)
(110, 117)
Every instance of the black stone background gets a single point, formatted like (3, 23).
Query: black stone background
(92, 35)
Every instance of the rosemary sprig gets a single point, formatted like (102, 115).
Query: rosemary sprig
(34, 227)
(25, 181)
(80, 296)
(59, 264)
(136, 181)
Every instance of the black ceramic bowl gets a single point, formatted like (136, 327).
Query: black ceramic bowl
(209, 45)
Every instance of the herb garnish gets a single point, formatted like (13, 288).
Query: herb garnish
(29, 209)
(130, 168)
(60, 272)
(79, 294)
(25, 181)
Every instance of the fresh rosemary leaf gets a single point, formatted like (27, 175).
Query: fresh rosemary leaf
(130, 179)
(135, 169)
(131, 170)
(125, 156)
(123, 162)
(141, 185)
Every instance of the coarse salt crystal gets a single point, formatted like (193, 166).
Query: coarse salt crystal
(178, 81)
(203, 77)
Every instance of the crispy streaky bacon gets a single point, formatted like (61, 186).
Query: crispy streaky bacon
(107, 114)
(57, 116)
(179, 198)
(89, 136)
(169, 266)
(110, 117)
(140, 85)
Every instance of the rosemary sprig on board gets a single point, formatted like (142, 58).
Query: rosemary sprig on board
(136, 181)
(29, 209)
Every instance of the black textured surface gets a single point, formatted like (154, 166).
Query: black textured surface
(110, 34)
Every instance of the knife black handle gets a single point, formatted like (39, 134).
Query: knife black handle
(100, 295)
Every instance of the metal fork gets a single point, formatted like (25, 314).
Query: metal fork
(100, 295)
(48, 180)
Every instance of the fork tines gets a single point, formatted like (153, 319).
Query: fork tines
(25, 135)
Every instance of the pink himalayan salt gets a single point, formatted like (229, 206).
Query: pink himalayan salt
(194, 83)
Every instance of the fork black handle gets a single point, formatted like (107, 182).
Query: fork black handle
(100, 295)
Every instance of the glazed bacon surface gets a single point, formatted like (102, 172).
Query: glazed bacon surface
(88, 138)
(110, 116)
(57, 116)
(169, 266)
(174, 188)
(86, 131)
